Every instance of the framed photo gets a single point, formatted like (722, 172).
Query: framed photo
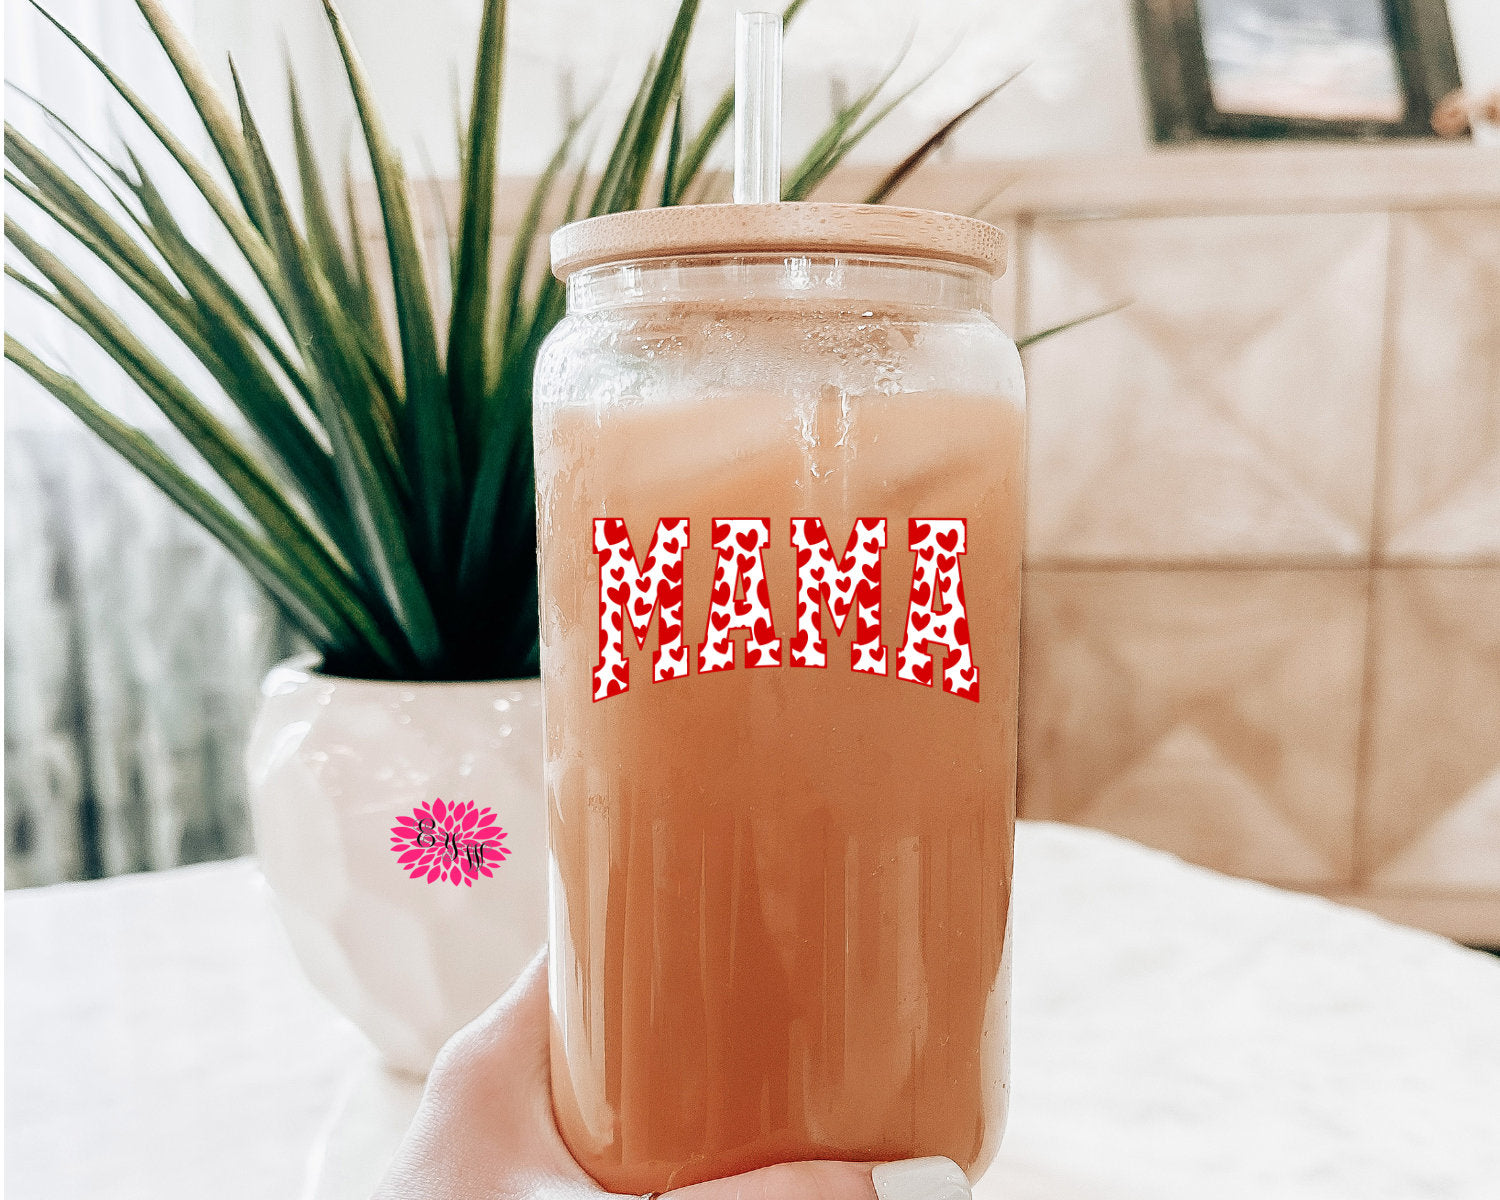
(1295, 68)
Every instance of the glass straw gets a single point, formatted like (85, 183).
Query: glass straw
(757, 108)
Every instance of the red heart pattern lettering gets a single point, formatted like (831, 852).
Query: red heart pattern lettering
(746, 601)
(936, 577)
(740, 599)
(824, 580)
(658, 584)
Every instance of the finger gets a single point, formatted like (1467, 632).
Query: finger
(786, 1181)
(485, 1128)
(909, 1179)
(498, 1061)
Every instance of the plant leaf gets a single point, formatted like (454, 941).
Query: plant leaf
(150, 214)
(279, 575)
(214, 322)
(835, 141)
(67, 202)
(509, 438)
(917, 157)
(711, 187)
(362, 279)
(207, 285)
(427, 428)
(653, 116)
(437, 202)
(1031, 339)
(207, 335)
(198, 320)
(340, 378)
(211, 110)
(292, 431)
(242, 230)
(239, 471)
(525, 240)
(468, 324)
(674, 152)
(980, 207)
(322, 233)
(327, 246)
(697, 150)
(605, 195)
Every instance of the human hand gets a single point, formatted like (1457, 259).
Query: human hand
(485, 1131)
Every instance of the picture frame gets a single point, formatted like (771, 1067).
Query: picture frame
(1360, 69)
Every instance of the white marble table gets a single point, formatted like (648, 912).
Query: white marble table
(1177, 1035)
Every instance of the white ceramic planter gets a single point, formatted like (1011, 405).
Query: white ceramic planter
(334, 766)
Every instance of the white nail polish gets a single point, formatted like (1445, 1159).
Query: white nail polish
(920, 1179)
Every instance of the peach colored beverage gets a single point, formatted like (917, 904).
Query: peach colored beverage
(779, 892)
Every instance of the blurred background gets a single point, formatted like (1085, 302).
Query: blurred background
(1262, 607)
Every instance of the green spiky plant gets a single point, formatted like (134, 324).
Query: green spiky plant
(379, 489)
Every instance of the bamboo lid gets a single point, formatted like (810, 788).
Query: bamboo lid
(790, 227)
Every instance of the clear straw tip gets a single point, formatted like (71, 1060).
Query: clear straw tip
(757, 108)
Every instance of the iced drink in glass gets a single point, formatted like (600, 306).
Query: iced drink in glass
(780, 517)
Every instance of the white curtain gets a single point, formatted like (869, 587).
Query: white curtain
(133, 643)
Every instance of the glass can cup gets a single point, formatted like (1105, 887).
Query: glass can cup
(779, 467)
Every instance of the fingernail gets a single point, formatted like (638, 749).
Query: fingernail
(920, 1179)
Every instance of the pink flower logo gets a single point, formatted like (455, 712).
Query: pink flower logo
(456, 843)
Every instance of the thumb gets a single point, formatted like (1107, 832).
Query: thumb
(907, 1179)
